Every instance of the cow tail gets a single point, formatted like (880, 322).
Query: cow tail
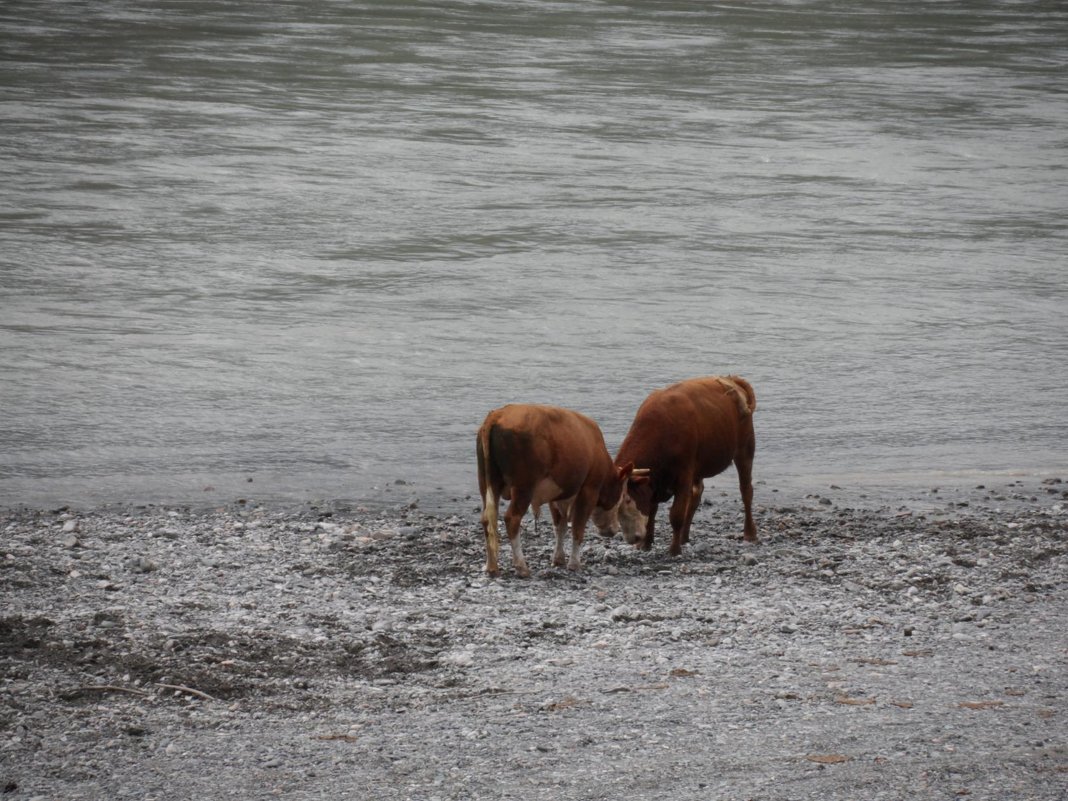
(488, 475)
(748, 403)
(488, 478)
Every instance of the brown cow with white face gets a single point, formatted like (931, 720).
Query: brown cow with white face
(681, 435)
(535, 454)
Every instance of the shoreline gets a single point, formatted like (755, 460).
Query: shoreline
(203, 493)
(945, 499)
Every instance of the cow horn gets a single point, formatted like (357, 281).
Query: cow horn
(640, 471)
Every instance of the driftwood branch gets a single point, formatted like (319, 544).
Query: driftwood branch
(183, 689)
(114, 688)
(106, 688)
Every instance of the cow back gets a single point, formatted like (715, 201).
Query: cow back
(694, 427)
(534, 446)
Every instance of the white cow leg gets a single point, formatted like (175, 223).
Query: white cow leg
(513, 519)
(560, 526)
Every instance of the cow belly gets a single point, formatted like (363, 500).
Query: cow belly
(545, 491)
(714, 466)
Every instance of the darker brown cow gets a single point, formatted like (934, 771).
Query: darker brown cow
(543, 454)
(683, 434)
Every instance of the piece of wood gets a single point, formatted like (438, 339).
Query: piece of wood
(183, 689)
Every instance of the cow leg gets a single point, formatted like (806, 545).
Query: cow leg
(681, 514)
(559, 512)
(695, 504)
(581, 509)
(513, 520)
(744, 463)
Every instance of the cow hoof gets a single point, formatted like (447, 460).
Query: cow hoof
(523, 572)
(559, 562)
(675, 550)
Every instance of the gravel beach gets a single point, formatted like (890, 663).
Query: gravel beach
(890, 650)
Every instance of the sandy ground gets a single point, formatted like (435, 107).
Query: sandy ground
(915, 650)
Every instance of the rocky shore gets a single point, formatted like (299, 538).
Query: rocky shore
(915, 650)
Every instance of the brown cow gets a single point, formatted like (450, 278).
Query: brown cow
(681, 435)
(543, 454)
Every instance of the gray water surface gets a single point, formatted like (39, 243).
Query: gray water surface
(313, 244)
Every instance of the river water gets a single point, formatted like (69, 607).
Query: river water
(310, 245)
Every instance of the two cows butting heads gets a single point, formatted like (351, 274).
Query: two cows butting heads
(681, 435)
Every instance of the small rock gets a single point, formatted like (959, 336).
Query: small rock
(459, 658)
(749, 560)
(140, 564)
(595, 553)
(71, 525)
(71, 542)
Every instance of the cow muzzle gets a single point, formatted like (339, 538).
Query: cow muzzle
(606, 521)
(632, 522)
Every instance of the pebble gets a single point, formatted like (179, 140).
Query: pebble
(140, 564)
(459, 658)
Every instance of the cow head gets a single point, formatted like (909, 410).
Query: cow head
(606, 512)
(617, 509)
(634, 507)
